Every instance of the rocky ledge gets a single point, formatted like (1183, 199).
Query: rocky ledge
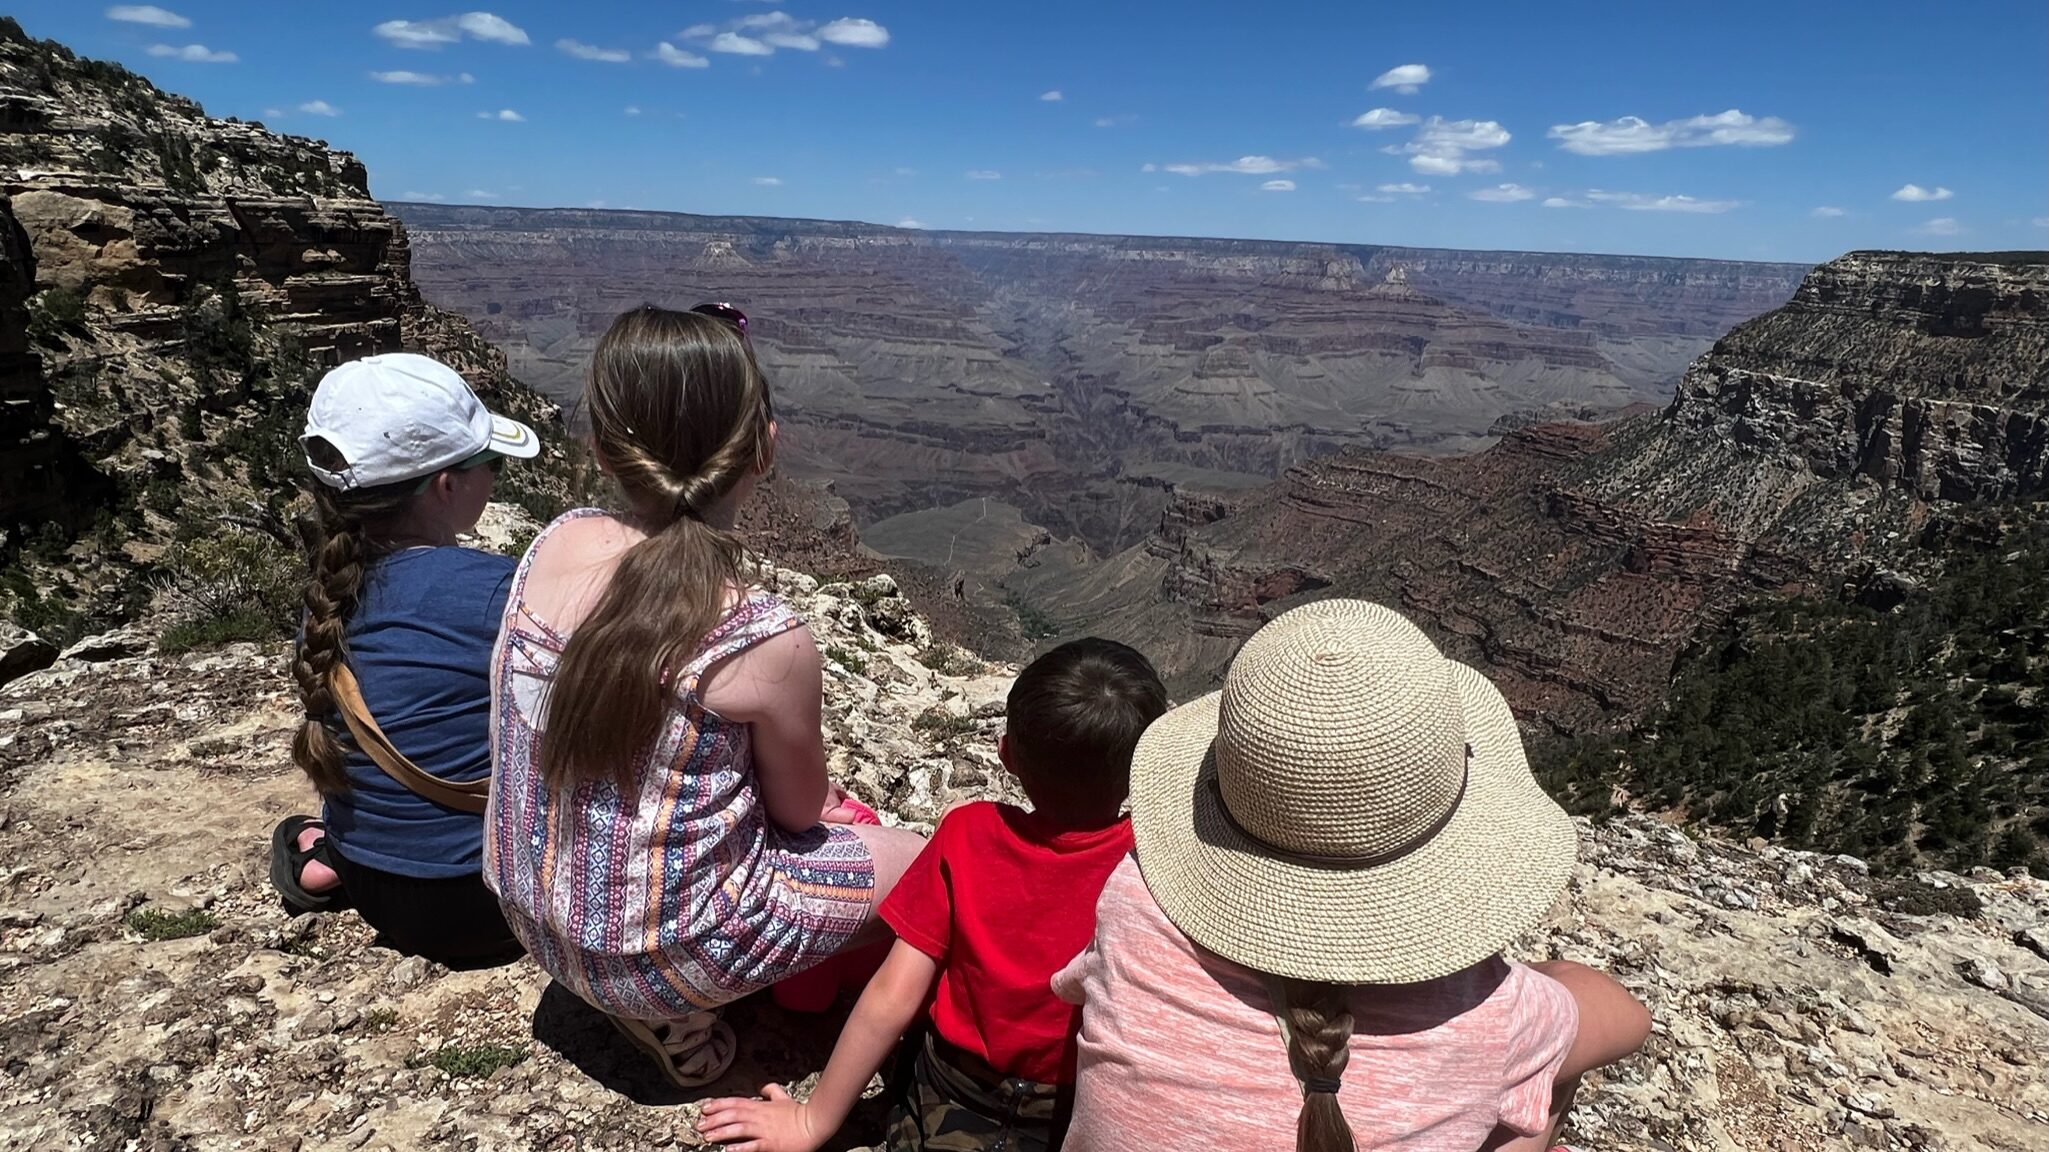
(156, 997)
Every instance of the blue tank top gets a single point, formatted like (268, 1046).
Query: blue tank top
(420, 645)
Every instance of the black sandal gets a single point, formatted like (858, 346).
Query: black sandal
(288, 860)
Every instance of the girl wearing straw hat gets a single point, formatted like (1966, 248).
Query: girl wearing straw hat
(1332, 853)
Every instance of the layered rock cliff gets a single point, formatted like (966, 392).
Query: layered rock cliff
(159, 999)
(173, 286)
(919, 369)
(1576, 561)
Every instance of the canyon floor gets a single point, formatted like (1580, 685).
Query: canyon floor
(1799, 1003)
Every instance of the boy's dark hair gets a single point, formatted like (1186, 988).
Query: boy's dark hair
(1074, 716)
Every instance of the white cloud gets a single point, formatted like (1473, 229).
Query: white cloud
(854, 32)
(1502, 194)
(1243, 165)
(1826, 213)
(762, 34)
(1637, 202)
(1405, 189)
(193, 54)
(432, 34)
(676, 57)
(1564, 202)
(738, 45)
(1379, 118)
(148, 14)
(421, 79)
(484, 26)
(1278, 186)
(907, 222)
(2040, 221)
(1940, 226)
(505, 114)
(583, 51)
(1404, 78)
(1915, 194)
(479, 194)
(1442, 147)
(769, 181)
(633, 109)
(1632, 134)
(319, 108)
(1374, 199)
(985, 174)
(1053, 97)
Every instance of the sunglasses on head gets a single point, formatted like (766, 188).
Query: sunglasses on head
(726, 312)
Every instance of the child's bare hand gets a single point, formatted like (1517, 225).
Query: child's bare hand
(775, 1123)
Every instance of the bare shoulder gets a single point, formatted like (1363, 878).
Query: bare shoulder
(764, 678)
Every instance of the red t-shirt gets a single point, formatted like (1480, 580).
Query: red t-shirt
(1002, 900)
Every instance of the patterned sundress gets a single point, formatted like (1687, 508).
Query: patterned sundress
(678, 894)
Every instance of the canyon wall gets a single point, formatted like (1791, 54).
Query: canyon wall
(1575, 561)
(919, 368)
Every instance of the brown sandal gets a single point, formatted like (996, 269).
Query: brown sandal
(691, 1052)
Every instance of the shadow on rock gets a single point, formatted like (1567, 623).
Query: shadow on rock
(775, 1047)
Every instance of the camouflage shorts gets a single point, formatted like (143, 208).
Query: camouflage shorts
(952, 1102)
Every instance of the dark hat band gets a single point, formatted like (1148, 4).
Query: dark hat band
(1349, 860)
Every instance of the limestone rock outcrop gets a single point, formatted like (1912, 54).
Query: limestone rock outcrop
(171, 286)
(154, 995)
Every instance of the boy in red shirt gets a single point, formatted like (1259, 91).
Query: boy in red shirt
(1000, 900)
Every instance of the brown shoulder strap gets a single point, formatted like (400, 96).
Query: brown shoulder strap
(348, 696)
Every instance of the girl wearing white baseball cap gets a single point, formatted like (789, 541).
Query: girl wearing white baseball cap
(393, 658)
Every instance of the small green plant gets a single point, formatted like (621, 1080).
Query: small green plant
(55, 313)
(940, 724)
(377, 1021)
(853, 661)
(476, 1061)
(946, 660)
(1035, 624)
(157, 924)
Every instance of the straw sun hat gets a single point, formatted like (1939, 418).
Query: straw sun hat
(1352, 807)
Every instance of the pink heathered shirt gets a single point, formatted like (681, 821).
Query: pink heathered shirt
(1179, 1047)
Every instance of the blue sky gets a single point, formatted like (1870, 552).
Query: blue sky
(1792, 130)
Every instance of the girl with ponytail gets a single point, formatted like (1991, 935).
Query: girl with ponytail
(402, 457)
(1332, 854)
(661, 830)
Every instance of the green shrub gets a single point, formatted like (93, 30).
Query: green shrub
(156, 924)
(940, 724)
(229, 585)
(947, 660)
(187, 635)
(476, 1061)
(377, 1020)
(848, 658)
(55, 313)
(1035, 624)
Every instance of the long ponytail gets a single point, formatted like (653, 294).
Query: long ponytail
(680, 415)
(1319, 1046)
(345, 543)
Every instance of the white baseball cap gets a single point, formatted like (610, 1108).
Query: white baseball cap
(401, 416)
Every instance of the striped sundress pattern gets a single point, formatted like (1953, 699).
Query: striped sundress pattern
(676, 894)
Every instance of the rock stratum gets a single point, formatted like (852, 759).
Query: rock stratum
(1575, 561)
(1799, 1003)
(172, 287)
(1082, 379)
